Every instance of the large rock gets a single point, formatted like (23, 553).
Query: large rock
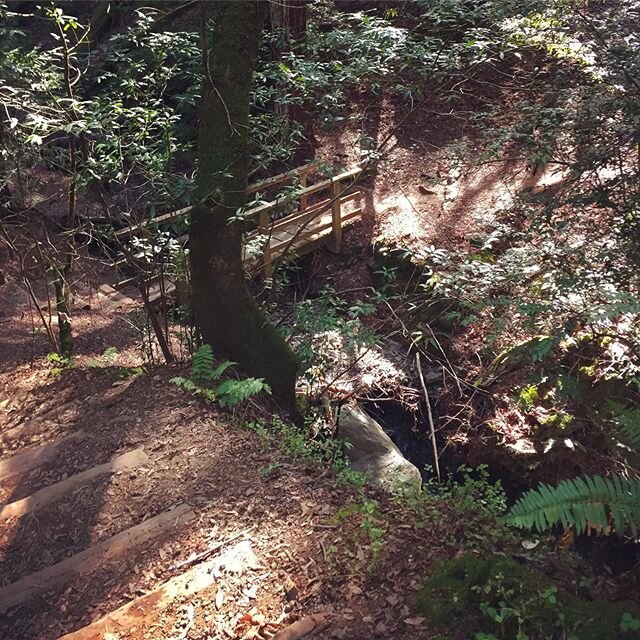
(372, 451)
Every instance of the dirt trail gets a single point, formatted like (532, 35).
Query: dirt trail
(294, 558)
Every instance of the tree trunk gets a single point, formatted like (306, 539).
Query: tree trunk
(225, 311)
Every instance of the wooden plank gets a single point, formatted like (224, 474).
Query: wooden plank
(130, 460)
(269, 182)
(281, 178)
(90, 558)
(292, 220)
(313, 236)
(303, 172)
(263, 228)
(336, 222)
(310, 212)
(34, 456)
(156, 291)
(144, 610)
(322, 226)
(30, 427)
(165, 218)
(274, 181)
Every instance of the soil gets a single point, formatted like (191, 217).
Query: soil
(197, 457)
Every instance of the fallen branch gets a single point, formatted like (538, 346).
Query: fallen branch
(431, 425)
(205, 554)
(301, 628)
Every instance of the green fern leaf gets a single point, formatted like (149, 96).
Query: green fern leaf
(626, 424)
(202, 368)
(184, 383)
(220, 369)
(589, 502)
(231, 392)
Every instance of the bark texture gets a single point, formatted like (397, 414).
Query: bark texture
(225, 311)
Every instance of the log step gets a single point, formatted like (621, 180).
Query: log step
(90, 558)
(143, 610)
(34, 456)
(130, 460)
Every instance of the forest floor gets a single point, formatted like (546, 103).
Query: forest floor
(288, 541)
(277, 550)
(293, 557)
(263, 539)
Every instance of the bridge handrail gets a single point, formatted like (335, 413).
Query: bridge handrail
(265, 207)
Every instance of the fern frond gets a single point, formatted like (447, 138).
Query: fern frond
(221, 368)
(587, 502)
(626, 424)
(202, 365)
(184, 383)
(231, 392)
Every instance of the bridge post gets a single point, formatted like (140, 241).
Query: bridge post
(264, 226)
(303, 172)
(336, 217)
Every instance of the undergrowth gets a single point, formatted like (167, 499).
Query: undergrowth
(204, 373)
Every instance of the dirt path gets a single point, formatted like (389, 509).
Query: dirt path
(277, 553)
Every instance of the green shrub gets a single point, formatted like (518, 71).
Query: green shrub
(499, 599)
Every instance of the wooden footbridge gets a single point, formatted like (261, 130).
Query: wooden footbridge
(304, 213)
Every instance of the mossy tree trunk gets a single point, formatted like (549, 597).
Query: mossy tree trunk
(225, 311)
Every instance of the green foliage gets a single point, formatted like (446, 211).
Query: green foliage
(505, 600)
(586, 503)
(326, 325)
(232, 392)
(626, 424)
(528, 396)
(60, 360)
(472, 491)
(468, 506)
(270, 469)
(107, 358)
(372, 526)
(227, 393)
(310, 444)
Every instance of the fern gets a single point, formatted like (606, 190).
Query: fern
(202, 365)
(231, 392)
(626, 424)
(184, 383)
(588, 502)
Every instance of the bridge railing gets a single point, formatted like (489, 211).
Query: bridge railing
(299, 230)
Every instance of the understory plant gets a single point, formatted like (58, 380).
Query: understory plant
(204, 373)
(498, 598)
(587, 503)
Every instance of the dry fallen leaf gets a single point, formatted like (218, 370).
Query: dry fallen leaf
(251, 592)
(219, 598)
(414, 622)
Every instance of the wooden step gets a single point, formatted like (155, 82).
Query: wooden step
(142, 610)
(89, 559)
(34, 456)
(130, 460)
(30, 426)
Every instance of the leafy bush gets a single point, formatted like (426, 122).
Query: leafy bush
(504, 600)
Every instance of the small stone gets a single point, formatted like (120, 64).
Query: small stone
(290, 589)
